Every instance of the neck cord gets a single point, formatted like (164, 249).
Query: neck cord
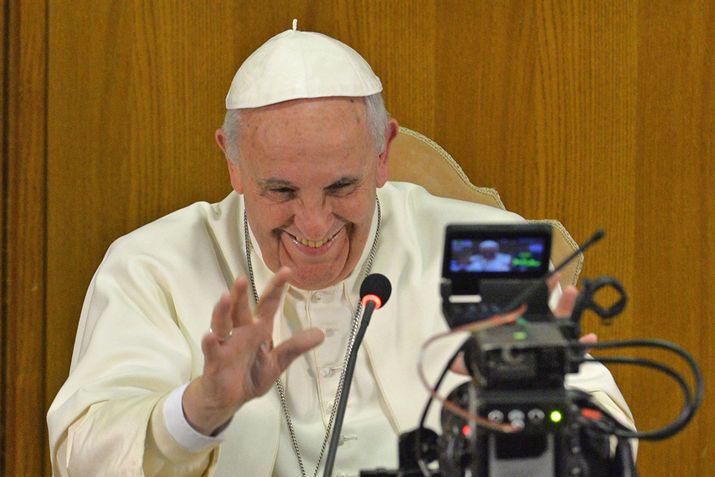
(355, 322)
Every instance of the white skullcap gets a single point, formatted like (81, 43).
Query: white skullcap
(488, 244)
(300, 64)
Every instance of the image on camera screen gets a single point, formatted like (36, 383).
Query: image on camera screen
(499, 255)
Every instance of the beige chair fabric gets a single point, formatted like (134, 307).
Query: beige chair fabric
(416, 158)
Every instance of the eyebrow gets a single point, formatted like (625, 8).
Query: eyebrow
(344, 181)
(273, 182)
(266, 183)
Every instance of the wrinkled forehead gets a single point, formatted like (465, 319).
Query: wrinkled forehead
(317, 109)
(329, 123)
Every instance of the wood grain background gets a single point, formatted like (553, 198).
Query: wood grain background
(598, 113)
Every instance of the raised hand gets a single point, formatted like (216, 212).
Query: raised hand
(566, 304)
(240, 362)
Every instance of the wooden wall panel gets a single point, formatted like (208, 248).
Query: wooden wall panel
(674, 296)
(542, 107)
(551, 100)
(24, 251)
(706, 458)
(3, 259)
(600, 114)
(130, 136)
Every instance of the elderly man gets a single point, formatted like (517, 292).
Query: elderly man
(489, 259)
(181, 368)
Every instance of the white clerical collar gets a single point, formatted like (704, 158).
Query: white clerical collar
(350, 286)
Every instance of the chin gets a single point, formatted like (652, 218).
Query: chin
(313, 273)
(316, 281)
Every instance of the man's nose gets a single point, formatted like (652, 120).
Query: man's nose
(314, 218)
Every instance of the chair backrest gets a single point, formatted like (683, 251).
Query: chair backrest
(416, 158)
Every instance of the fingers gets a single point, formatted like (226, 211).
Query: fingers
(590, 338)
(566, 302)
(553, 282)
(302, 342)
(211, 347)
(271, 297)
(459, 366)
(221, 322)
(241, 311)
(233, 309)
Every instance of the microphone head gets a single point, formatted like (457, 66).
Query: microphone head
(375, 287)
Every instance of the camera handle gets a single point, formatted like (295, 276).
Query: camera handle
(585, 301)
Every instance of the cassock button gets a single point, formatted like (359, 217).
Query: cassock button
(346, 438)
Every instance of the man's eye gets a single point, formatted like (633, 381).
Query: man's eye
(340, 189)
(281, 192)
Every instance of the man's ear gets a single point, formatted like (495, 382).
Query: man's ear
(391, 131)
(233, 171)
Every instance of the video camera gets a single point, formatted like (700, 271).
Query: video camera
(516, 417)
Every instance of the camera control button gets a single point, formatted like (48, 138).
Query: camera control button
(516, 415)
(536, 416)
(496, 415)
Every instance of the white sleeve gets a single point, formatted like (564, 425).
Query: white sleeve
(180, 429)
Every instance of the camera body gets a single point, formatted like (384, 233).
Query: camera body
(518, 369)
(552, 441)
(521, 370)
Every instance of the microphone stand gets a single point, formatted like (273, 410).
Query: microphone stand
(342, 404)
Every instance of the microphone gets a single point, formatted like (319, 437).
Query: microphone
(375, 290)
(374, 293)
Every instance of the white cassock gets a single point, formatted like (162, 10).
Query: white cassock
(150, 303)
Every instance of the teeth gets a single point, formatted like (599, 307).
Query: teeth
(312, 243)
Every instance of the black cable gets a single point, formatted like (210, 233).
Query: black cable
(651, 343)
(624, 453)
(666, 431)
(421, 425)
(673, 348)
(437, 385)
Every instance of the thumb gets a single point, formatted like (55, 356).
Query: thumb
(566, 302)
(300, 343)
(459, 366)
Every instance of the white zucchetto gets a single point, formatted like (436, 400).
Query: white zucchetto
(300, 64)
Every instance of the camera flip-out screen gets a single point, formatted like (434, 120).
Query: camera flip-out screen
(481, 252)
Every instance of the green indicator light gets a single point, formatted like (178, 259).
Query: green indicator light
(520, 335)
(556, 416)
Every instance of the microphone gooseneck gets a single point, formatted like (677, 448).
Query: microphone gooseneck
(374, 293)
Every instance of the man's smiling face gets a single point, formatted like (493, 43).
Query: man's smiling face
(308, 170)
